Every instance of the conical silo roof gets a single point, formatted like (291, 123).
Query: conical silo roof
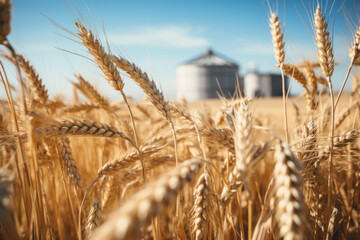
(209, 58)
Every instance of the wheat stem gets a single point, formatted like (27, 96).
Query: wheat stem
(344, 83)
(284, 106)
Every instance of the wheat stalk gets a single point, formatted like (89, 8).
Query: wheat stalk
(326, 60)
(354, 55)
(279, 48)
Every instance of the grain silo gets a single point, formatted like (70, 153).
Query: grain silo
(200, 78)
(263, 85)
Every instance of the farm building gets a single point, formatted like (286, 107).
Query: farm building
(263, 84)
(212, 73)
(200, 78)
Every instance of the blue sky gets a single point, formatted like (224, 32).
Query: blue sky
(160, 34)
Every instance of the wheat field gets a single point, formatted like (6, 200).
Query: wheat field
(279, 168)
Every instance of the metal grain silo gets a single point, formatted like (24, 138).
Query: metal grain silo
(255, 85)
(263, 85)
(198, 78)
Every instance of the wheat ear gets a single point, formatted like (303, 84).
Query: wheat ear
(126, 161)
(87, 107)
(295, 73)
(235, 178)
(95, 215)
(339, 142)
(277, 38)
(35, 80)
(310, 77)
(242, 120)
(155, 96)
(213, 134)
(82, 127)
(149, 87)
(288, 198)
(307, 153)
(200, 217)
(242, 123)
(133, 172)
(322, 37)
(102, 59)
(94, 218)
(312, 82)
(345, 113)
(125, 222)
(69, 164)
(91, 93)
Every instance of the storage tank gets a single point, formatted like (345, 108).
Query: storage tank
(200, 78)
(263, 85)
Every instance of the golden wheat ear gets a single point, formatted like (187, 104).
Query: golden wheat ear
(34, 79)
(91, 93)
(325, 49)
(200, 212)
(125, 223)
(355, 49)
(148, 86)
(289, 207)
(101, 58)
(277, 38)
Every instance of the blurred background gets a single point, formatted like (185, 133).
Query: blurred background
(162, 36)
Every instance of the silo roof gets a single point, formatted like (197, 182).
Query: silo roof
(211, 59)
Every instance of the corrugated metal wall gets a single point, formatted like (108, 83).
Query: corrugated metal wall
(196, 82)
(263, 85)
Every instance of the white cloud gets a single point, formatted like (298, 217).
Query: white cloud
(163, 36)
